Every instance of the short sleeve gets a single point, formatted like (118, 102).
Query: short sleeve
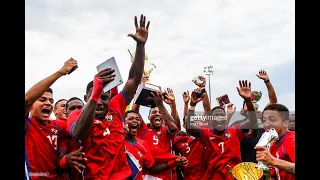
(289, 147)
(72, 118)
(204, 133)
(241, 133)
(142, 130)
(119, 103)
(148, 160)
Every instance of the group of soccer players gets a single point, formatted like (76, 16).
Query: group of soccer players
(99, 139)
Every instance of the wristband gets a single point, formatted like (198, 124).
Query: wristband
(97, 89)
(192, 108)
(171, 163)
(268, 80)
(63, 163)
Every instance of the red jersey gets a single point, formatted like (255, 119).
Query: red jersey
(283, 149)
(160, 138)
(104, 147)
(192, 149)
(221, 150)
(142, 157)
(68, 145)
(41, 144)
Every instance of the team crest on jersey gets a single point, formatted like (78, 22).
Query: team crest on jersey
(139, 154)
(227, 135)
(109, 118)
(55, 131)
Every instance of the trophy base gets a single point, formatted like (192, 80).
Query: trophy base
(143, 95)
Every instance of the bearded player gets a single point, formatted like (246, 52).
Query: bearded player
(223, 142)
(99, 125)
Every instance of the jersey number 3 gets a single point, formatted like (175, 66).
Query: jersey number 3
(54, 141)
(155, 140)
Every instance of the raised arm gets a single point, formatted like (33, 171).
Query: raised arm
(171, 100)
(168, 119)
(186, 99)
(205, 101)
(245, 92)
(137, 66)
(192, 128)
(271, 92)
(37, 90)
(83, 123)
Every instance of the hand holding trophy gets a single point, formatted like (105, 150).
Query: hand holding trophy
(250, 170)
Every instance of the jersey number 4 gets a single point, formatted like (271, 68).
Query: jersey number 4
(155, 140)
(54, 141)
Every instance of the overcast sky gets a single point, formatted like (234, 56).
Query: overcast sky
(238, 38)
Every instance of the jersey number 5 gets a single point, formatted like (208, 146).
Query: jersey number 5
(155, 139)
(54, 141)
(187, 148)
(222, 146)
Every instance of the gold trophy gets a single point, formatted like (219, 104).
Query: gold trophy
(245, 171)
(143, 95)
(148, 67)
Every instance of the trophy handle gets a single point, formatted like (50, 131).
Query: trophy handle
(228, 171)
(267, 174)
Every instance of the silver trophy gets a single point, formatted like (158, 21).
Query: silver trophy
(266, 140)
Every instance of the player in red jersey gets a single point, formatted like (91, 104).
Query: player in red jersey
(282, 152)
(158, 134)
(60, 109)
(70, 166)
(139, 155)
(41, 133)
(99, 125)
(223, 142)
(191, 148)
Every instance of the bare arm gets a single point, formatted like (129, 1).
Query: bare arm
(186, 99)
(285, 165)
(191, 128)
(245, 92)
(168, 119)
(137, 66)
(171, 100)
(271, 92)
(158, 168)
(206, 103)
(83, 125)
(37, 90)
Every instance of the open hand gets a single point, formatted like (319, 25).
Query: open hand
(245, 89)
(74, 159)
(141, 35)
